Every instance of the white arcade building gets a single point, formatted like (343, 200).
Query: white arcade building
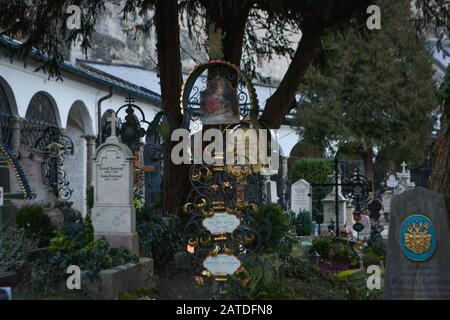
(30, 101)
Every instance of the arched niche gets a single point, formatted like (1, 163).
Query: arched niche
(7, 99)
(43, 108)
(80, 118)
(8, 109)
(105, 122)
(78, 127)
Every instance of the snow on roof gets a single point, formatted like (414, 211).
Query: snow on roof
(136, 75)
(149, 79)
(85, 73)
(441, 57)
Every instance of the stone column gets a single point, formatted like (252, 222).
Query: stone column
(15, 134)
(90, 149)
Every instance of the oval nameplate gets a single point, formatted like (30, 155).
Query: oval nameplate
(221, 222)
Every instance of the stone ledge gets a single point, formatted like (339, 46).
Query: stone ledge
(121, 279)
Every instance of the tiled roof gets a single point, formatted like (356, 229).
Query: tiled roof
(149, 79)
(92, 74)
(131, 79)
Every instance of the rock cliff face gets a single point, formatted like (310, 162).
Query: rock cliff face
(111, 43)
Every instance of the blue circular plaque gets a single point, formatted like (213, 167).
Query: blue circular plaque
(418, 238)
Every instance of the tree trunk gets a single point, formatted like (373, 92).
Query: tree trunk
(169, 63)
(319, 15)
(282, 101)
(368, 166)
(226, 28)
(440, 163)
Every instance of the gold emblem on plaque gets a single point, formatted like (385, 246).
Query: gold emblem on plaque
(418, 238)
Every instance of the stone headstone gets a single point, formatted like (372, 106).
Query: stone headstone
(329, 209)
(301, 197)
(113, 213)
(418, 252)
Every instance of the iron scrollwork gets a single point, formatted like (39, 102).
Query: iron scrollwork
(58, 147)
(223, 190)
(132, 132)
(356, 187)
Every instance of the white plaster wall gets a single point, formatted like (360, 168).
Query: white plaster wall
(75, 167)
(24, 83)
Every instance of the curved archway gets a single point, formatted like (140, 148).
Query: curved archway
(78, 128)
(8, 109)
(7, 99)
(105, 129)
(80, 118)
(43, 108)
(304, 150)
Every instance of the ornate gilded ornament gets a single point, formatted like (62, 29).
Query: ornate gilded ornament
(223, 197)
(217, 92)
(418, 238)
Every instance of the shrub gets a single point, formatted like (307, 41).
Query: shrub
(158, 237)
(303, 223)
(285, 246)
(80, 233)
(321, 245)
(89, 229)
(36, 223)
(314, 283)
(48, 272)
(90, 197)
(378, 245)
(274, 224)
(273, 286)
(371, 257)
(94, 257)
(262, 278)
(74, 245)
(342, 253)
(334, 252)
(15, 248)
(75, 231)
(314, 171)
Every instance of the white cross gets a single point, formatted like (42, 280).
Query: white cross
(113, 120)
(404, 165)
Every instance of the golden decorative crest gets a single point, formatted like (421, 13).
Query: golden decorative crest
(418, 237)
